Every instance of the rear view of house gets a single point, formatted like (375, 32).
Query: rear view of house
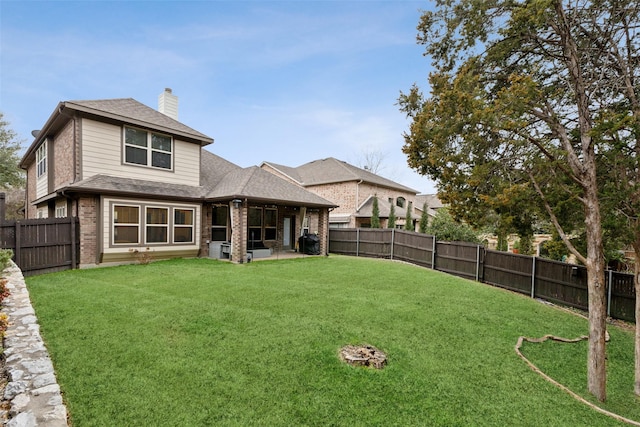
(140, 180)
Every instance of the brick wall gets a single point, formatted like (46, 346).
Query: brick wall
(88, 214)
(63, 159)
(30, 209)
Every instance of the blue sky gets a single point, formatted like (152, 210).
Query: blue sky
(281, 81)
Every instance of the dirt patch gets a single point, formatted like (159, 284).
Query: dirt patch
(363, 355)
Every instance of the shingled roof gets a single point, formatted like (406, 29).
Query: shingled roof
(128, 110)
(259, 185)
(331, 171)
(107, 184)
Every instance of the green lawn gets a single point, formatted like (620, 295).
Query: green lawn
(204, 342)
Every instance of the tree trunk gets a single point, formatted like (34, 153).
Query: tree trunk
(596, 363)
(636, 285)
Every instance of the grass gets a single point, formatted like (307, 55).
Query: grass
(203, 342)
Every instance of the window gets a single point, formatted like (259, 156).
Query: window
(400, 201)
(41, 159)
(270, 223)
(126, 224)
(157, 225)
(183, 225)
(61, 211)
(219, 223)
(255, 224)
(152, 224)
(147, 148)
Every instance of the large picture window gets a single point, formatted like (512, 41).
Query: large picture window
(147, 148)
(151, 224)
(219, 223)
(126, 224)
(183, 225)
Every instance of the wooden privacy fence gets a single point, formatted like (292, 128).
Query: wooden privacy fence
(549, 280)
(42, 245)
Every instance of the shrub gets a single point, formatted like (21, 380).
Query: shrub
(4, 292)
(4, 324)
(5, 257)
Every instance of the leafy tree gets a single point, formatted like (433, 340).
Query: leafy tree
(424, 219)
(445, 228)
(375, 214)
(391, 222)
(408, 225)
(11, 176)
(534, 109)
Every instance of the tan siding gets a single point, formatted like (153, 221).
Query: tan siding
(42, 186)
(157, 249)
(102, 154)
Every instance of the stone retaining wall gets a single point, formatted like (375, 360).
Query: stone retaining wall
(32, 388)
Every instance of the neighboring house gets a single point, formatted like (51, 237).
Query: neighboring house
(140, 180)
(432, 202)
(353, 190)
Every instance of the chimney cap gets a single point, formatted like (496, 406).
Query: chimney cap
(167, 89)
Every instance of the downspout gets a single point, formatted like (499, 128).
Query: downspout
(357, 201)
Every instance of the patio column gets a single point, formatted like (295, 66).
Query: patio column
(239, 230)
(323, 230)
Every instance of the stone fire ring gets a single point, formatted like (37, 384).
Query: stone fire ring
(363, 355)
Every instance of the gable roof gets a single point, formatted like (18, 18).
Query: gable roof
(259, 185)
(119, 110)
(128, 110)
(384, 207)
(332, 171)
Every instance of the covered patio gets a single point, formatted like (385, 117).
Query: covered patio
(252, 214)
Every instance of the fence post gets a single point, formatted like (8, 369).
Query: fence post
(478, 263)
(2, 207)
(533, 278)
(609, 293)
(18, 244)
(393, 237)
(73, 242)
(357, 242)
(433, 253)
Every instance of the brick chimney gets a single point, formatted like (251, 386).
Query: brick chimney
(168, 104)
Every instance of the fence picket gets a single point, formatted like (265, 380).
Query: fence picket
(537, 277)
(42, 245)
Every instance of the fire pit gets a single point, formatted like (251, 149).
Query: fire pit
(363, 355)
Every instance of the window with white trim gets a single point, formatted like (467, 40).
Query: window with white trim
(126, 225)
(148, 148)
(41, 159)
(157, 225)
(183, 225)
(61, 211)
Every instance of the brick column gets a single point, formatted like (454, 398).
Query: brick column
(239, 233)
(88, 214)
(323, 230)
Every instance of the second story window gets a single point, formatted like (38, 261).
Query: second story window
(41, 159)
(400, 201)
(147, 148)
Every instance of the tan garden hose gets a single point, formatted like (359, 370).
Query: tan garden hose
(557, 384)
